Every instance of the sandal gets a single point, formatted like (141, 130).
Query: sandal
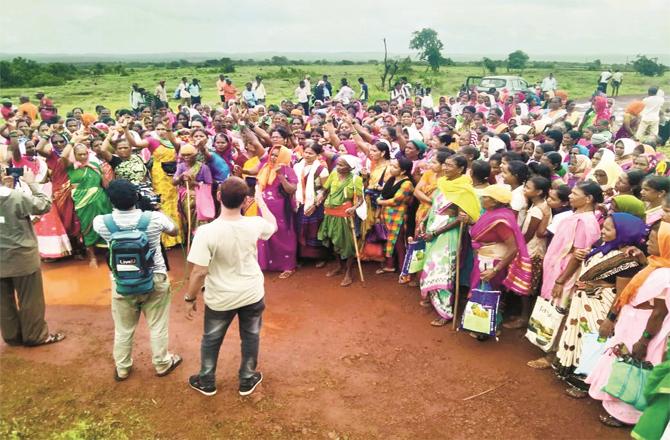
(333, 272)
(539, 364)
(439, 322)
(320, 264)
(384, 270)
(52, 339)
(346, 283)
(176, 360)
(286, 274)
(425, 303)
(515, 324)
(575, 393)
(610, 421)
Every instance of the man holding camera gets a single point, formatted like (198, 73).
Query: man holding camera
(155, 305)
(21, 290)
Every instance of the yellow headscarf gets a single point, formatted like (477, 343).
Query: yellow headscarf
(267, 174)
(461, 192)
(611, 168)
(500, 193)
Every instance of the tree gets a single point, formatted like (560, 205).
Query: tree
(429, 46)
(489, 65)
(390, 69)
(648, 66)
(517, 60)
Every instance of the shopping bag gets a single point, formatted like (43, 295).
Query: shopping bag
(627, 381)
(592, 349)
(414, 258)
(544, 324)
(377, 234)
(204, 204)
(481, 311)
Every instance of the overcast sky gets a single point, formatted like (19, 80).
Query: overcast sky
(562, 27)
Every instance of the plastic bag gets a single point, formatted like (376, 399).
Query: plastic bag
(414, 258)
(544, 324)
(481, 310)
(592, 349)
(627, 381)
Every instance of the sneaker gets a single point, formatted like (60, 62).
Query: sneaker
(247, 386)
(194, 382)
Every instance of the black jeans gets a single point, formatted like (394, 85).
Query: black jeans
(216, 325)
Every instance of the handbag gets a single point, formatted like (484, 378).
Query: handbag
(592, 349)
(169, 168)
(544, 324)
(627, 381)
(481, 310)
(414, 258)
(372, 252)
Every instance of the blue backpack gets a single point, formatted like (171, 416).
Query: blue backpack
(131, 258)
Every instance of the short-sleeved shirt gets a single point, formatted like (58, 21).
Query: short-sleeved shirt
(127, 220)
(537, 246)
(228, 248)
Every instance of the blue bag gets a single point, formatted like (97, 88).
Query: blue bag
(131, 257)
(481, 311)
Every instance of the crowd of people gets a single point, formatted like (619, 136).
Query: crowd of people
(518, 193)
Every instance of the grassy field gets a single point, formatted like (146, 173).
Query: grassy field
(113, 90)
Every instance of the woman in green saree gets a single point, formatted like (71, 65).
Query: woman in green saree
(343, 193)
(454, 199)
(89, 197)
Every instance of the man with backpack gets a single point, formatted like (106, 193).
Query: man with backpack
(224, 258)
(139, 277)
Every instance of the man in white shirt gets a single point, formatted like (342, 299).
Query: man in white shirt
(549, 86)
(605, 76)
(427, 100)
(651, 114)
(161, 93)
(259, 90)
(302, 95)
(136, 98)
(155, 305)
(225, 258)
(346, 93)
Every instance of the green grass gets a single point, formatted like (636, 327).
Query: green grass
(113, 90)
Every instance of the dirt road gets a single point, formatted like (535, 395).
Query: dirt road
(338, 363)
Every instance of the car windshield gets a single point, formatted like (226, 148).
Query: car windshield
(492, 82)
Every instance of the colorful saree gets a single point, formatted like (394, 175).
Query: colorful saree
(488, 236)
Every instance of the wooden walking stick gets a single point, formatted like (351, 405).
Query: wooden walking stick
(458, 274)
(188, 218)
(358, 254)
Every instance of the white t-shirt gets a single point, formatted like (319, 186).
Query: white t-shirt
(605, 76)
(229, 249)
(519, 203)
(652, 108)
(302, 94)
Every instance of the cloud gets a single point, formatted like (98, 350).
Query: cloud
(482, 27)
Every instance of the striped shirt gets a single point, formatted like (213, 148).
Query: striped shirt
(127, 220)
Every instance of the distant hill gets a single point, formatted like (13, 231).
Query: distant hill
(311, 56)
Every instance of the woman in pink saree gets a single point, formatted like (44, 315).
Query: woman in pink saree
(641, 324)
(578, 231)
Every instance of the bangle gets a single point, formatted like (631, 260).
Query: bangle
(558, 283)
(646, 335)
(611, 316)
(190, 300)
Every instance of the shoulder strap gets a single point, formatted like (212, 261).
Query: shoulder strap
(110, 223)
(144, 221)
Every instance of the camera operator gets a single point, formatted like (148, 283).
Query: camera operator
(21, 290)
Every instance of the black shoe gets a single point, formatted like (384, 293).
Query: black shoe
(247, 386)
(194, 381)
